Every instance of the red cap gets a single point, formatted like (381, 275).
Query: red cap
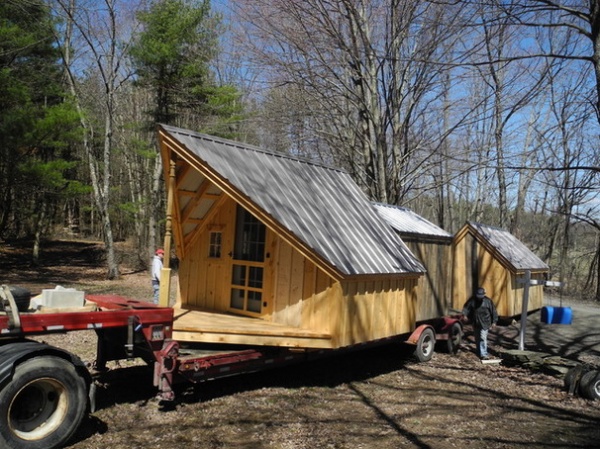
(159, 251)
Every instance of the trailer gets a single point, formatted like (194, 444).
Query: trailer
(46, 391)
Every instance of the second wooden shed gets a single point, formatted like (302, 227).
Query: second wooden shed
(493, 258)
(433, 247)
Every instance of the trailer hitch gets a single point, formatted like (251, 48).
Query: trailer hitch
(164, 367)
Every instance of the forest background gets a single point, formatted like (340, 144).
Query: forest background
(482, 110)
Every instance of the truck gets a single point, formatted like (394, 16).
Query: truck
(47, 391)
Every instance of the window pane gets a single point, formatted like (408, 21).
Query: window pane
(256, 277)
(214, 249)
(238, 276)
(249, 237)
(254, 301)
(237, 298)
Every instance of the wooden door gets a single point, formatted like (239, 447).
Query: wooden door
(248, 266)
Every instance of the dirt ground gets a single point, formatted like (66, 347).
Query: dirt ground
(378, 398)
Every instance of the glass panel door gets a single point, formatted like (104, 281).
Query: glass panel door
(248, 264)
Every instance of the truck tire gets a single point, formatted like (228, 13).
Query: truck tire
(43, 404)
(425, 345)
(589, 386)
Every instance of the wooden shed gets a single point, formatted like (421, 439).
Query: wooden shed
(433, 247)
(278, 251)
(495, 259)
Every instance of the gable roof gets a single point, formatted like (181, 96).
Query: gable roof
(505, 246)
(318, 209)
(409, 224)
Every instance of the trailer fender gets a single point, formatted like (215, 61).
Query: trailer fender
(423, 337)
(43, 395)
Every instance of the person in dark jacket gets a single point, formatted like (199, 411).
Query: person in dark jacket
(481, 312)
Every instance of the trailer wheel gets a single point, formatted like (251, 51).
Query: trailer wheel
(42, 405)
(573, 378)
(425, 345)
(589, 386)
(454, 338)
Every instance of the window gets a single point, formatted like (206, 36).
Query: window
(214, 247)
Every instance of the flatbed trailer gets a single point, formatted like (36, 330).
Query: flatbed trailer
(46, 391)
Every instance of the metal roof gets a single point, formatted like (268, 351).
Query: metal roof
(321, 206)
(509, 247)
(406, 222)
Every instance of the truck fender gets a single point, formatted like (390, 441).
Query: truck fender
(17, 351)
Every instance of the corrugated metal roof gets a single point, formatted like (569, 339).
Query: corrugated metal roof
(407, 222)
(509, 247)
(321, 206)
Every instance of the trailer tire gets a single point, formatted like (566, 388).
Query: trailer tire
(425, 345)
(454, 338)
(43, 404)
(589, 386)
(573, 378)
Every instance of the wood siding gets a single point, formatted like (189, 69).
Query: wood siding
(475, 266)
(299, 294)
(434, 290)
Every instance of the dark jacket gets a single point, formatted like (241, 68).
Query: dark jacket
(482, 313)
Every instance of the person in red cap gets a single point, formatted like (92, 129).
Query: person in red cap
(157, 264)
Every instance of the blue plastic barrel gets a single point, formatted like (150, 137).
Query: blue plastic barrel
(557, 315)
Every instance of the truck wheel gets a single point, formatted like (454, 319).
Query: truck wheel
(454, 338)
(43, 404)
(589, 386)
(425, 345)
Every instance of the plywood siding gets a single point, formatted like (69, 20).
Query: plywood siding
(536, 294)
(475, 265)
(374, 310)
(462, 272)
(434, 291)
(351, 311)
(204, 281)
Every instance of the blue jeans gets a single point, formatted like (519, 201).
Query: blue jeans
(481, 341)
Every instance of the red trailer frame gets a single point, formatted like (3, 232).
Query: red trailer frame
(129, 329)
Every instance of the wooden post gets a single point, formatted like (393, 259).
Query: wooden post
(524, 308)
(165, 275)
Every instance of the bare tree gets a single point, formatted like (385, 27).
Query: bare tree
(367, 72)
(94, 46)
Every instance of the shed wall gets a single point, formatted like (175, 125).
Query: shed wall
(434, 289)
(475, 266)
(351, 311)
(299, 293)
